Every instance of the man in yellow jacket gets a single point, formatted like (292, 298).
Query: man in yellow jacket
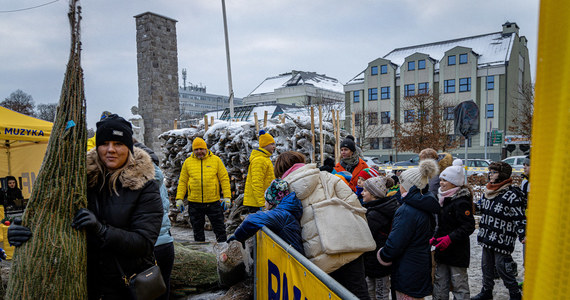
(202, 175)
(259, 173)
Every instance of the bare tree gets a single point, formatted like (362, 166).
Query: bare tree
(20, 102)
(423, 125)
(523, 111)
(47, 111)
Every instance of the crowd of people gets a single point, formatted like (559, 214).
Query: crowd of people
(399, 235)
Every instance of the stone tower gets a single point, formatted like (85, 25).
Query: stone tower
(157, 64)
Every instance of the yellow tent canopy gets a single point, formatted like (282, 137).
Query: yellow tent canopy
(22, 147)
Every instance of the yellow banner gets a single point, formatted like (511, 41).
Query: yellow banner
(280, 276)
(547, 261)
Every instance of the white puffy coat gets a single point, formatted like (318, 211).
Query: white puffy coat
(340, 234)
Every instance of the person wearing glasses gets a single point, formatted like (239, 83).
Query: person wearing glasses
(502, 220)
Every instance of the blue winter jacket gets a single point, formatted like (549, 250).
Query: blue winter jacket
(283, 220)
(408, 245)
(164, 237)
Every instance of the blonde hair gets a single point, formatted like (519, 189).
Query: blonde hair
(103, 171)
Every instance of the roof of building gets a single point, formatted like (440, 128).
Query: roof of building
(247, 112)
(492, 49)
(296, 78)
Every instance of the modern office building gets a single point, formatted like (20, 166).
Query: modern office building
(490, 69)
(195, 102)
(296, 88)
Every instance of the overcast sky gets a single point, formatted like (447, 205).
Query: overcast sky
(267, 37)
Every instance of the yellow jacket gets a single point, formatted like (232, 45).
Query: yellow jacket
(90, 143)
(259, 177)
(202, 179)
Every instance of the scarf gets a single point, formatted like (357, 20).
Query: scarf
(493, 189)
(293, 168)
(350, 163)
(444, 194)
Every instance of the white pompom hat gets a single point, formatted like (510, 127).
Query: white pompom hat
(455, 173)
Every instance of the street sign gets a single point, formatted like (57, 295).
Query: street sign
(496, 137)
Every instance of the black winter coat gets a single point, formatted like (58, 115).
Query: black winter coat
(456, 220)
(380, 214)
(133, 217)
(408, 245)
(503, 218)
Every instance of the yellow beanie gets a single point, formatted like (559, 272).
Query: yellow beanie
(265, 139)
(199, 143)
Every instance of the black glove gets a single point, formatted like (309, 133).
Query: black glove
(232, 238)
(85, 218)
(18, 234)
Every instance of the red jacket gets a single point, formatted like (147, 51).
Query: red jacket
(359, 167)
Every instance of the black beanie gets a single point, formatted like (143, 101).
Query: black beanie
(348, 142)
(114, 128)
(505, 170)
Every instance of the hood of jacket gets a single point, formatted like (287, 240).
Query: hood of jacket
(462, 192)
(387, 205)
(422, 200)
(303, 180)
(291, 204)
(258, 152)
(133, 177)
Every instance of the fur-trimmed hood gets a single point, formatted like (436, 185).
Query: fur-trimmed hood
(133, 177)
(462, 192)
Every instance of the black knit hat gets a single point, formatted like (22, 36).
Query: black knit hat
(114, 128)
(505, 170)
(348, 142)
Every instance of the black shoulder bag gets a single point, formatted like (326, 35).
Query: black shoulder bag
(146, 285)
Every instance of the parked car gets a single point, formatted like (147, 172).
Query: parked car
(477, 163)
(414, 161)
(515, 161)
(371, 161)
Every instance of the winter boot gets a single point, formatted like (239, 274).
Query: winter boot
(484, 295)
(515, 296)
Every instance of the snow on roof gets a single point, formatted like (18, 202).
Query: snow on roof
(296, 78)
(492, 48)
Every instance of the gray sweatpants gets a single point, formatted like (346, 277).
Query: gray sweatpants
(456, 276)
(378, 288)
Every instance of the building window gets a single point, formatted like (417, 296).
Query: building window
(465, 84)
(451, 138)
(451, 60)
(387, 143)
(356, 96)
(423, 114)
(385, 117)
(490, 111)
(448, 113)
(374, 70)
(385, 92)
(421, 64)
(411, 65)
(408, 116)
(383, 69)
(357, 119)
(449, 86)
(490, 82)
(409, 90)
(462, 58)
(372, 118)
(423, 88)
(372, 94)
(374, 143)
